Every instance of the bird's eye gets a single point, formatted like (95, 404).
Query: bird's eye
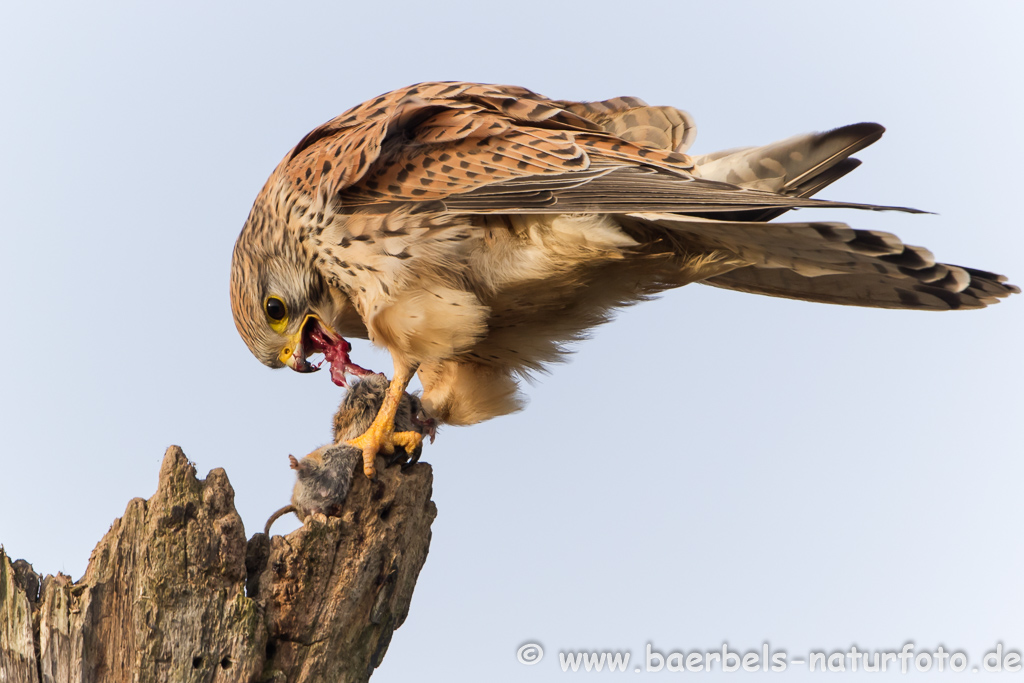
(275, 308)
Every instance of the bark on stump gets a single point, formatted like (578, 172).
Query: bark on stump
(174, 592)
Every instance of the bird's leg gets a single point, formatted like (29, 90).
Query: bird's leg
(380, 436)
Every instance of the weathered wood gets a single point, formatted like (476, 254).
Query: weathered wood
(164, 597)
(18, 598)
(337, 588)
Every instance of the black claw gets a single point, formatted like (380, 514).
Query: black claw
(403, 458)
(415, 458)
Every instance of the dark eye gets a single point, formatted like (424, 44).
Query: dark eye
(275, 308)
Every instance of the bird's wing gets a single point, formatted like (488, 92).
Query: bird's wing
(632, 119)
(471, 148)
(799, 166)
(833, 263)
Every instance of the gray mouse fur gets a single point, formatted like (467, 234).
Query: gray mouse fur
(324, 477)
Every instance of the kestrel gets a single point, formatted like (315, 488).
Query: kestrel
(473, 230)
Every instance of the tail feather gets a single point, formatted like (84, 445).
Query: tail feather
(865, 289)
(832, 263)
(822, 262)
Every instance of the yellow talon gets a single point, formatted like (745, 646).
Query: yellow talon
(378, 440)
(407, 440)
(380, 437)
(374, 440)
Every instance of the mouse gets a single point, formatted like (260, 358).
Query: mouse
(324, 476)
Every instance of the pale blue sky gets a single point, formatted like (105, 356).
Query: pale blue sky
(831, 476)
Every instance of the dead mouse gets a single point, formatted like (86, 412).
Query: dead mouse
(324, 477)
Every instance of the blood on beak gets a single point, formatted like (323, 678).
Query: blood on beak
(298, 347)
(316, 337)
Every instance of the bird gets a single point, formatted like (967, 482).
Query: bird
(476, 230)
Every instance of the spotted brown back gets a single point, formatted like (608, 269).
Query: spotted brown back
(490, 148)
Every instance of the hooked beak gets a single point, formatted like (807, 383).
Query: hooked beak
(316, 337)
(301, 345)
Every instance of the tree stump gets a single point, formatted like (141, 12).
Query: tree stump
(173, 592)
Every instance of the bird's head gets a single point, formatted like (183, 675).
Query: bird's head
(283, 308)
